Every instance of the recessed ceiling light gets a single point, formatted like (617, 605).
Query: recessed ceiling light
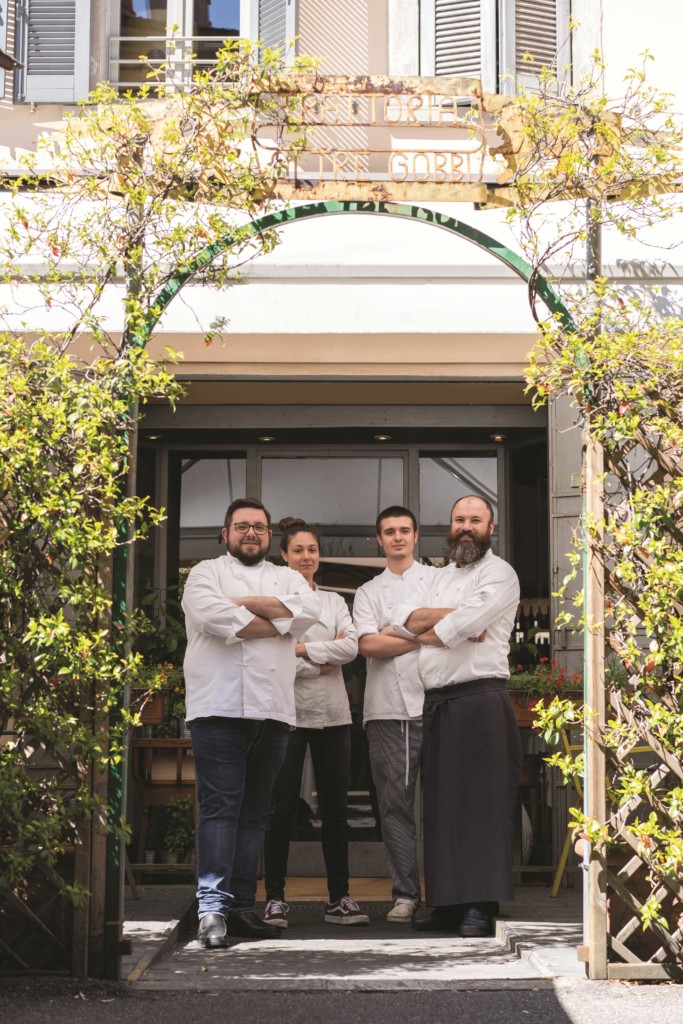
(266, 438)
(152, 437)
(382, 437)
(498, 438)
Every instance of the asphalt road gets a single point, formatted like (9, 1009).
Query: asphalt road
(59, 1001)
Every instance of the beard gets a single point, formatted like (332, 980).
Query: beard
(246, 558)
(467, 552)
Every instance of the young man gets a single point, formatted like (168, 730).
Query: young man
(243, 618)
(472, 753)
(392, 710)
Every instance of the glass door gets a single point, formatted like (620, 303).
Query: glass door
(341, 490)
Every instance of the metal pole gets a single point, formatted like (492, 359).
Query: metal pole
(595, 889)
(123, 570)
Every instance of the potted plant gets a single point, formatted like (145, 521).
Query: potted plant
(542, 683)
(179, 713)
(179, 830)
(159, 651)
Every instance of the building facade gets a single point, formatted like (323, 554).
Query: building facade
(368, 360)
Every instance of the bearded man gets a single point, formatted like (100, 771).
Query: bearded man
(243, 617)
(471, 748)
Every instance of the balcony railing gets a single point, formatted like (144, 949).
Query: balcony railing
(180, 56)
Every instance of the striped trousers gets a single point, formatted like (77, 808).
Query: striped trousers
(395, 748)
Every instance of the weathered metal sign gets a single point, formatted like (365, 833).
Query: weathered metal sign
(376, 138)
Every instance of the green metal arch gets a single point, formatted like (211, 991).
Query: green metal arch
(416, 213)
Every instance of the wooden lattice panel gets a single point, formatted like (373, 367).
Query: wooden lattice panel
(634, 952)
(36, 922)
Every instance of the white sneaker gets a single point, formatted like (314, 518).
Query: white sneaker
(276, 913)
(402, 911)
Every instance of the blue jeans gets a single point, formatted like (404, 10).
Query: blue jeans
(236, 761)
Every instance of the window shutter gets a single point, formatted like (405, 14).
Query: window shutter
(3, 43)
(537, 28)
(277, 24)
(56, 50)
(465, 40)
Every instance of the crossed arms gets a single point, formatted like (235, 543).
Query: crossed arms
(264, 609)
(249, 617)
(421, 622)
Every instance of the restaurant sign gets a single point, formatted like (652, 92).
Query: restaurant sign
(377, 138)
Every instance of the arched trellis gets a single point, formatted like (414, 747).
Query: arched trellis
(538, 285)
(292, 215)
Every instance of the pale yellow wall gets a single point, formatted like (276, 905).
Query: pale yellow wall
(357, 355)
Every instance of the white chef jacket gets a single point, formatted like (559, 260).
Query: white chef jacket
(393, 689)
(485, 596)
(232, 677)
(322, 700)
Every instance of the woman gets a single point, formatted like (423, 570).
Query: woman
(323, 722)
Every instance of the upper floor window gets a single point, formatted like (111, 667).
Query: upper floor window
(185, 33)
(504, 43)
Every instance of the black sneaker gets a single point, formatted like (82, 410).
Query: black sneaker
(475, 924)
(345, 911)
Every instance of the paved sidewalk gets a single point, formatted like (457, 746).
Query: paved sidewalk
(536, 939)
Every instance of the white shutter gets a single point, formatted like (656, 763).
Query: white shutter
(277, 24)
(56, 50)
(3, 43)
(465, 39)
(535, 28)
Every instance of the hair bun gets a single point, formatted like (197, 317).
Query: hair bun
(289, 522)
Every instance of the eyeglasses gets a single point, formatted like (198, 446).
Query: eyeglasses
(259, 528)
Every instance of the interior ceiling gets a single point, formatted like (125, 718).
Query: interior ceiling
(288, 436)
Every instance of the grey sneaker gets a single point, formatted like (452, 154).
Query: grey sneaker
(345, 911)
(276, 913)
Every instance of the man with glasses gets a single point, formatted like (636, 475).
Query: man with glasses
(243, 617)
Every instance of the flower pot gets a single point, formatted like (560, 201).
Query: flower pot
(523, 704)
(150, 706)
(150, 856)
(169, 857)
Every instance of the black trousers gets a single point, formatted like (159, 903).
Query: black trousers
(472, 757)
(331, 754)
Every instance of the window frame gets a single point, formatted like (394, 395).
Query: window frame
(180, 12)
